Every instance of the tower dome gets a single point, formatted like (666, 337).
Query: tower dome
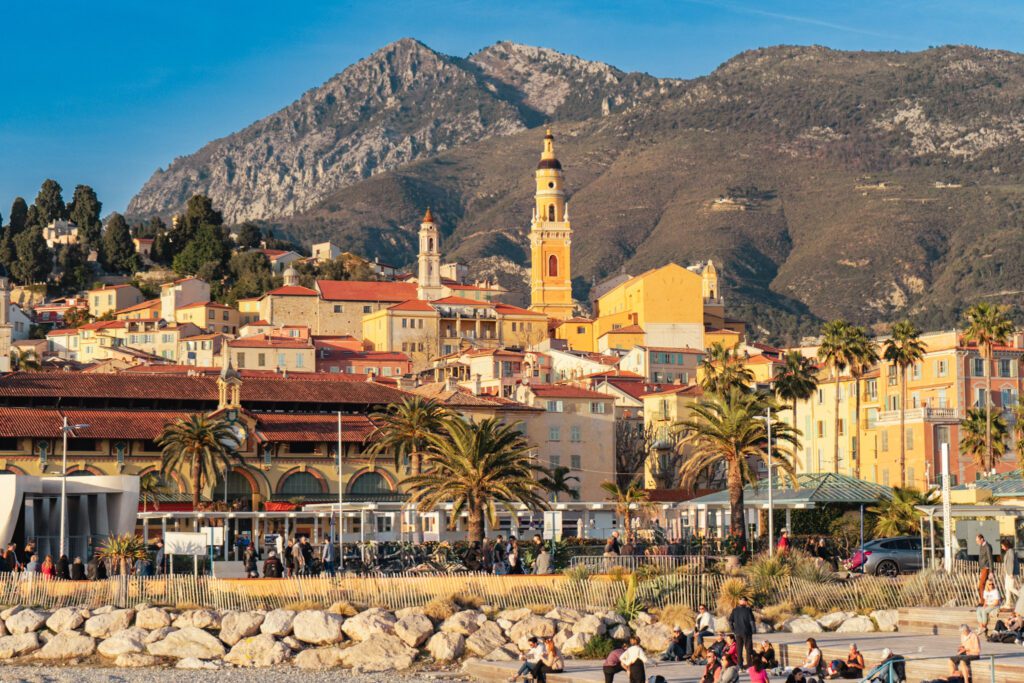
(291, 276)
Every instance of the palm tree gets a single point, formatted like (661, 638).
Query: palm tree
(558, 480)
(151, 486)
(722, 368)
(476, 466)
(902, 349)
(987, 326)
(796, 380)
(206, 447)
(404, 429)
(837, 352)
(898, 516)
(25, 360)
(730, 430)
(985, 441)
(864, 356)
(632, 498)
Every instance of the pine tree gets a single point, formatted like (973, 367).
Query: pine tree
(50, 203)
(33, 259)
(118, 252)
(84, 212)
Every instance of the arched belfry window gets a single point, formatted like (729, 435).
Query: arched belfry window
(430, 244)
(551, 212)
(552, 266)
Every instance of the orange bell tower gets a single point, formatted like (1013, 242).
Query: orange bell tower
(550, 239)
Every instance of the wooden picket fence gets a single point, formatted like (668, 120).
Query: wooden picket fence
(408, 590)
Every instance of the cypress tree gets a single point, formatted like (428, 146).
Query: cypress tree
(85, 213)
(33, 260)
(19, 215)
(50, 203)
(118, 252)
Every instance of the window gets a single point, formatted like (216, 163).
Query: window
(575, 462)
(261, 359)
(301, 484)
(405, 323)
(941, 399)
(872, 417)
(821, 396)
(574, 434)
(941, 368)
(885, 441)
(281, 362)
(339, 308)
(1005, 367)
(385, 523)
(554, 461)
(556, 407)
(915, 400)
(910, 438)
(916, 370)
(821, 429)
(598, 407)
(842, 427)
(551, 212)
(979, 367)
(552, 262)
(554, 433)
(240, 360)
(980, 399)
(893, 376)
(213, 315)
(367, 309)
(419, 324)
(299, 360)
(225, 316)
(872, 389)
(581, 330)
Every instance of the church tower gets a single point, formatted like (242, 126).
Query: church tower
(428, 279)
(5, 323)
(550, 239)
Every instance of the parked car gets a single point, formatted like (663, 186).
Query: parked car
(887, 556)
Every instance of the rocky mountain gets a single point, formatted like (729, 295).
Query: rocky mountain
(867, 185)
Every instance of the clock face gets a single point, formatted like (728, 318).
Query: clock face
(240, 434)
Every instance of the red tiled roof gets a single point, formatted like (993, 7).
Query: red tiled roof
(150, 303)
(336, 353)
(272, 253)
(454, 286)
(412, 305)
(628, 329)
(109, 287)
(495, 352)
(364, 290)
(292, 427)
(461, 397)
(104, 324)
(564, 391)
(329, 388)
(509, 309)
(178, 281)
(608, 374)
(674, 349)
(292, 290)
(67, 330)
(690, 389)
(114, 424)
(636, 389)
(258, 323)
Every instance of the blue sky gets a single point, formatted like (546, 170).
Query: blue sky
(105, 92)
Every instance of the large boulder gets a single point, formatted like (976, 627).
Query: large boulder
(409, 611)
(318, 627)
(565, 614)
(188, 642)
(612, 618)
(857, 624)
(514, 615)
(10, 612)
(465, 622)
(158, 634)
(106, 625)
(381, 653)
(25, 621)
(318, 658)
(65, 619)
(655, 637)
(577, 644)
(887, 619)
(134, 661)
(620, 632)
(19, 645)
(237, 625)
(278, 622)
(832, 620)
(126, 642)
(262, 650)
(414, 629)
(591, 624)
(502, 654)
(67, 645)
(152, 618)
(199, 618)
(369, 623)
(3, 630)
(446, 647)
(532, 626)
(486, 639)
(802, 624)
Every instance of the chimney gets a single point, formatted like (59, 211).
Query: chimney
(476, 384)
(450, 384)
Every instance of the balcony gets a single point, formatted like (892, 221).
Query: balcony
(949, 415)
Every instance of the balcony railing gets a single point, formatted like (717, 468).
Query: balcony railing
(919, 414)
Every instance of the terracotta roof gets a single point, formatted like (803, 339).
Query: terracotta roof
(628, 329)
(143, 239)
(428, 217)
(363, 290)
(636, 389)
(150, 303)
(495, 352)
(459, 287)
(178, 281)
(109, 287)
(759, 359)
(615, 373)
(61, 332)
(104, 324)
(509, 309)
(207, 304)
(259, 323)
(119, 424)
(272, 253)
(690, 389)
(563, 391)
(293, 427)
(413, 305)
(577, 320)
(461, 397)
(331, 388)
(291, 290)
(334, 353)
(461, 301)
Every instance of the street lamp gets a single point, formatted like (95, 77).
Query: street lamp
(771, 508)
(341, 501)
(65, 428)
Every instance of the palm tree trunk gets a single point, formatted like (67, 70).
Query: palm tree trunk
(476, 523)
(856, 420)
(196, 482)
(988, 406)
(835, 455)
(737, 521)
(627, 521)
(903, 426)
(796, 428)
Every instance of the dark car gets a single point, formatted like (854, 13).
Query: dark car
(888, 556)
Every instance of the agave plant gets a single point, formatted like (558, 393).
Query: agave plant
(730, 593)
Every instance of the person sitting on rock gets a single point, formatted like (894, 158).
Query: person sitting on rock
(551, 662)
(676, 651)
(529, 658)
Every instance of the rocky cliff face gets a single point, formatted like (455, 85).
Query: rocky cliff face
(402, 103)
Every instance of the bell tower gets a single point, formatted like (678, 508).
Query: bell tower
(428, 277)
(550, 239)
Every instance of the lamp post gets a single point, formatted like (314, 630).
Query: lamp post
(65, 428)
(341, 501)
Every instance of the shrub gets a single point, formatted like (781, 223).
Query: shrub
(598, 647)
(577, 573)
(540, 609)
(811, 611)
(466, 600)
(675, 615)
(729, 595)
(646, 572)
(776, 614)
(618, 573)
(439, 609)
(629, 604)
(764, 572)
(807, 568)
(344, 608)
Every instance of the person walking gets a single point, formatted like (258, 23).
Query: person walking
(743, 625)
(515, 565)
(1011, 570)
(249, 563)
(159, 558)
(48, 569)
(327, 556)
(984, 567)
(634, 660)
(500, 558)
(613, 548)
(306, 548)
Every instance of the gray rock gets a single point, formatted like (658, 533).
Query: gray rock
(414, 629)
(293, 643)
(318, 658)
(502, 654)
(832, 620)
(65, 619)
(19, 645)
(369, 623)
(199, 618)
(130, 661)
(10, 611)
(589, 624)
(318, 627)
(152, 618)
(887, 619)
(258, 651)
(196, 663)
(409, 611)
(575, 645)
(188, 642)
(381, 653)
(128, 641)
(107, 624)
(532, 626)
(564, 614)
(857, 624)
(465, 622)
(278, 622)
(25, 621)
(158, 634)
(655, 637)
(802, 624)
(486, 639)
(67, 645)
(514, 615)
(620, 632)
(446, 647)
(235, 626)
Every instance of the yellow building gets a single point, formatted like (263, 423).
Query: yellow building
(550, 239)
(265, 352)
(210, 316)
(662, 411)
(111, 298)
(147, 310)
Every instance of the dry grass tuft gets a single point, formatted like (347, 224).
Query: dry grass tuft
(540, 609)
(344, 608)
(729, 596)
(675, 615)
(467, 600)
(776, 614)
(439, 609)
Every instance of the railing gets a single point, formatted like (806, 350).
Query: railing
(600, 563)
(916, 414)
